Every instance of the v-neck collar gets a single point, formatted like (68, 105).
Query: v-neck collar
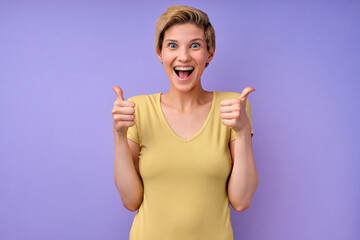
(196, 134)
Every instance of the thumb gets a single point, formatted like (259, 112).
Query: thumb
(245, 93)
(119, 93)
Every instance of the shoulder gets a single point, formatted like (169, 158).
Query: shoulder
(227, 95)
(143, 98)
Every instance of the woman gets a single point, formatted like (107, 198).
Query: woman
(176, 158)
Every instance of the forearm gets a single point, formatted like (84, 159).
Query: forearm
(127, 180)
(244, 177)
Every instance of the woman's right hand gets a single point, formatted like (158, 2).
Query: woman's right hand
(123, 112)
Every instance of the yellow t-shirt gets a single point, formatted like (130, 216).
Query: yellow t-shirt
(185, 180)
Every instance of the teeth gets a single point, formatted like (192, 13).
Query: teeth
(184, 68)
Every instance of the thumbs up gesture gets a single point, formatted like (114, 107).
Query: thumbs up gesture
(233, 112)
(123, 112)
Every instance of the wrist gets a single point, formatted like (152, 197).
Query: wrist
(120, 134)
(243, 133)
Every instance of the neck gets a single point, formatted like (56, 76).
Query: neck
(186, 101)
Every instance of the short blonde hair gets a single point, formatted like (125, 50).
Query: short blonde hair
(179, 14)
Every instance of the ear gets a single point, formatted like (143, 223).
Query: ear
(211, 55)
(159, 56)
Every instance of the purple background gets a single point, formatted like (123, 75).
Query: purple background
(59, 60)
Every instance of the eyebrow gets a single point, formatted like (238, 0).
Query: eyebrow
(193, 40)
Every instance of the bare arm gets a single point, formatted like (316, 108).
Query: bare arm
(126, 163)
(126, 172)
(244, 177)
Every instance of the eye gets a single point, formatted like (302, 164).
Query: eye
(172, 45)
(195, 45)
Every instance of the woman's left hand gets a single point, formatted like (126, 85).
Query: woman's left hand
(233, 112)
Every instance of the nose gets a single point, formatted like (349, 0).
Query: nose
(184, 55)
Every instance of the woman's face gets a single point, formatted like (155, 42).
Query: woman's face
(184, 55)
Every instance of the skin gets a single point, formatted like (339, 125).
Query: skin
(243, 180)
(185, 45)
(186, 107)
(187, 104)
(126, 161)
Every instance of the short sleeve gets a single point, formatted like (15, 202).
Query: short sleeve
(133, 132)
(248, 112)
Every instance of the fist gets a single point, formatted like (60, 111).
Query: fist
(123, 112)
(233, 112)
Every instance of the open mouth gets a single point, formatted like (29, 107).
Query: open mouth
(183, 72)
